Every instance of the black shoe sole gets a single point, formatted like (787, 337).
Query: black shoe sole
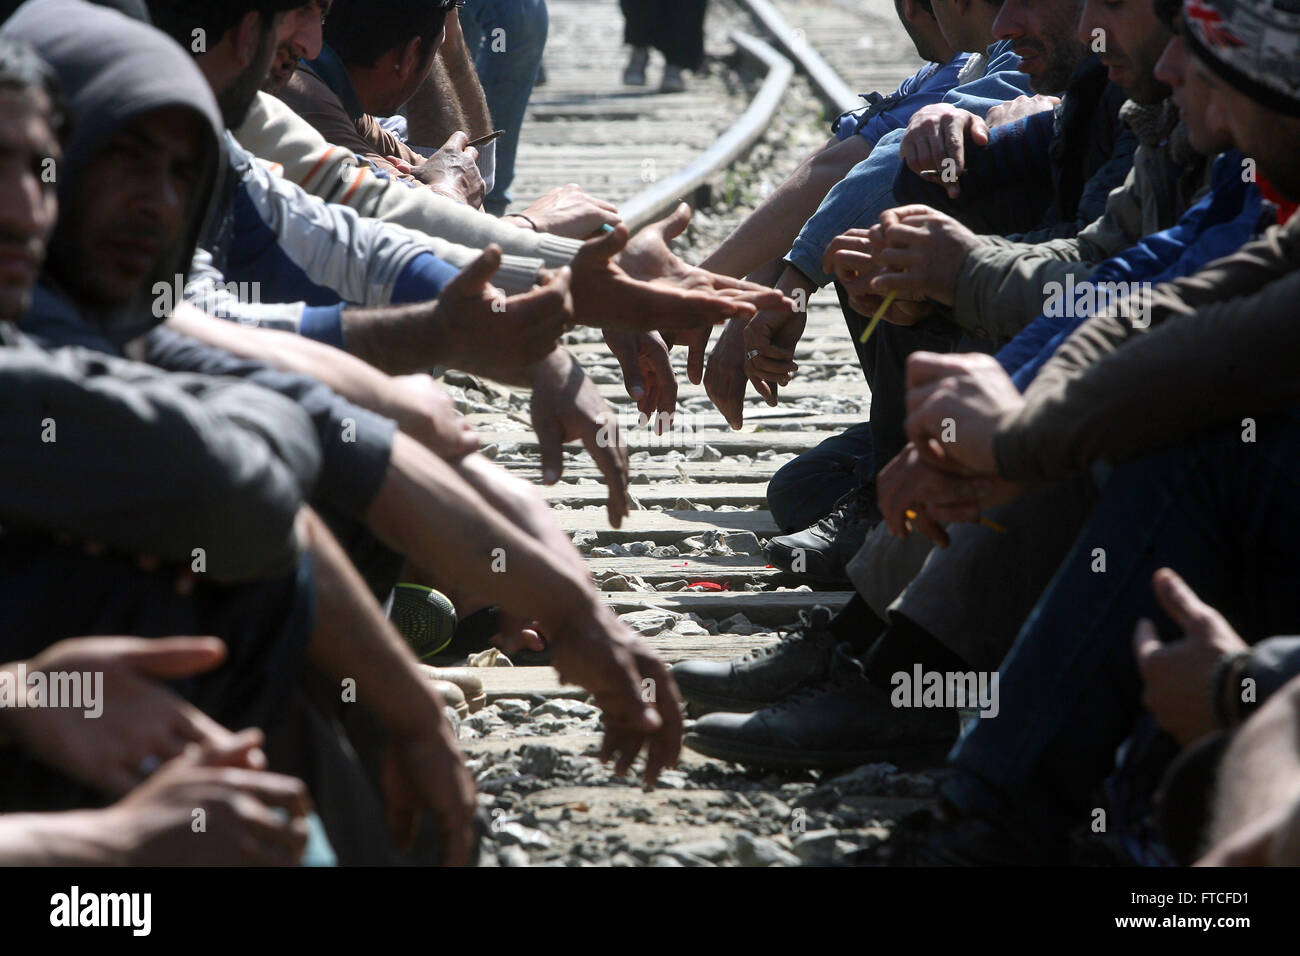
(782, 561)
(781, 758)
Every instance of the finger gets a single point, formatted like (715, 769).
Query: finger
(954, 142)
(402, 825)
(761, 299)
(633, 381)
(288, 834)
(457, 141)
(695, 359)
(954, 512)
(605, 446)
(772, 369)
(726, 389)
(550, 441)
(1145, 642)
(666, 745)
(849, 265)
(243, 749)
(979, 131)
(473, 279)
(168, 658)
(657, 366)
(930, 528)
(676, 223)
(1180, 602)
(924, 368)
(606, 247)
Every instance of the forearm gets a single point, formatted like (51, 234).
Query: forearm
(76, 838)
(771, 229)
(424, 505)
(519, 502)
(462, 77)
(352, 640)
(398, 339)
(348, 375)
(1155, 389)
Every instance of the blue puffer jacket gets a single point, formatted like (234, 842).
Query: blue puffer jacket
(1230, 215)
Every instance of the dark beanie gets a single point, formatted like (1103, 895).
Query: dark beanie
(1253, 45)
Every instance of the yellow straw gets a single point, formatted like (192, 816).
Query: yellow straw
(875, 319)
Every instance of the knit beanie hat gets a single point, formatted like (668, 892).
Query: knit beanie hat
(1253, 45)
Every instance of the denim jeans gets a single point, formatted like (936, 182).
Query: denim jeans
(508, 38)
(1221, 512)
(804, 491)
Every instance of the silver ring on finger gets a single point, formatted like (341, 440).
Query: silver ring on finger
(751, 353)
(148, 764)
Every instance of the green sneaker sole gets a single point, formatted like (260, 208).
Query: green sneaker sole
(425, 617)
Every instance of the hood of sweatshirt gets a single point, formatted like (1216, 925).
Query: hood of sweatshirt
(114, 69)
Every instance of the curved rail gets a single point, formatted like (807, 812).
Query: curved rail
(662, 197)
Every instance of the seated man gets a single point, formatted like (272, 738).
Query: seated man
(988, 82)
(601, 287)
(331, 244)
(106, 292)
(1004, 573)
(373, 61)
(1071, 160)
(1060, 168)
(192, 525)
(1180, 507)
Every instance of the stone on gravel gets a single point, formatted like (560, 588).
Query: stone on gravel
(513, 709)
(738, 624)
(651, 621)
(583, 540)
(672, 586)
(562, 707)
(612, 581)
(540, 760)
(744, 542)
(672, 779)
(756, 851)
(492, 657)
(821, 847)
(664, 551)
(516, 834)
(715, 850)
(684, 858)
(689, 629)
(483, 721)
(513, 856)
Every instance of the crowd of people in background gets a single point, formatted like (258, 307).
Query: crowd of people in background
(236, 238)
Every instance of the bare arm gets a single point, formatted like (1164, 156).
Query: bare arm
(770, 231)
(451, 98)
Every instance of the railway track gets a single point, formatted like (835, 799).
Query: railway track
(686, 569)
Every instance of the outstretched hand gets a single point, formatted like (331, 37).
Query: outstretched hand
(566, 406)
(484, 331)
(642, 706)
